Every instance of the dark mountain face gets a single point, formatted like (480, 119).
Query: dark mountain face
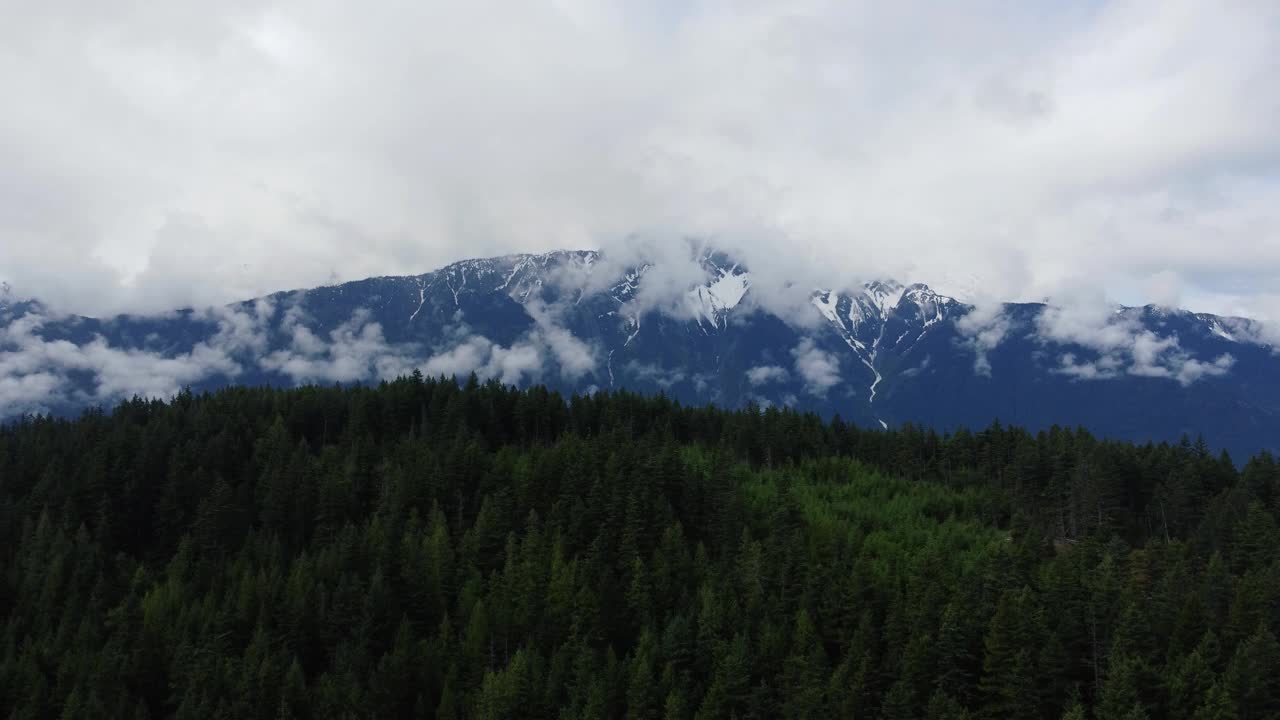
(880, 354)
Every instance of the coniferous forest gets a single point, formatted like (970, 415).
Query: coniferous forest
(424, 549)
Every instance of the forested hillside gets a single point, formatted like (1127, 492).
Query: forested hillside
(422, 549)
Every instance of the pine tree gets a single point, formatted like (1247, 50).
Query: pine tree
(805, 670)
(1218, 705)
(1192, 678)
(1008, 682)
(1121, 693)
(944, 707)
(1253, 677)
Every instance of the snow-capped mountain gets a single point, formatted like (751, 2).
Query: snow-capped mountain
(878, 353)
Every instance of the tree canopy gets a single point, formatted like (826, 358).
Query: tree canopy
(426, 548)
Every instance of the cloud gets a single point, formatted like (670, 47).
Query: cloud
(245, 147)
(765, 374)
(28, 393)
(462, 359)
(39, 374)
(123, 373)
(1122, 344)
(525, 359)
(1266, 333)
(1192, 370)
(575, 357)
(924, 365)
(356, 350)
(1147, 350)
(648, 372)
(661, 270)
(1105, 367)
(240, 330)
(656, 272)
(513, 365)
(487, 359)
(819, 369)
(981, 330)
(293, 323)
(1083, 317)
(36, 374)
(1164, 288)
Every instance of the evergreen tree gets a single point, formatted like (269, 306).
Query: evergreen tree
(424, 549)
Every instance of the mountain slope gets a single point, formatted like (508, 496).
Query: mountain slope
(878, 354)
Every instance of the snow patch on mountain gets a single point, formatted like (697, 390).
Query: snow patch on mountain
(714, 301)
(864, 316)
(827, 303)
(1216, 328)
(885, 296)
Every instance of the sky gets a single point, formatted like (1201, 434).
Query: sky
(186, 153)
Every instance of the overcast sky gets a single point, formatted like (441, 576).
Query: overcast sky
(155, 155)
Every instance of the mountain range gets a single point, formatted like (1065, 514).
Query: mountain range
(877, 353)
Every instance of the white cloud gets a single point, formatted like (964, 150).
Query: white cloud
(1164, 288)
(765, 374)
(357, 350)
(29, 393)
(1192, 370)
(1123, 345)
(35, 373)
(524, 360)
(245, 147)
(462, 359)
(982, 330)
(819, 369)
(647, 372)
(514, 364)
(1105, 367)
(1148, 350)
(123, 373)
(1086, 319)
(302, 339)
(667, 267)
(521, 362)
(575, 357)
(239, 330)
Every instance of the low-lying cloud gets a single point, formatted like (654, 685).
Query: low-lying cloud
(819, 369)
(467, 352)
(1122, 345)
(766, 374)
(356, 350)
(981, 331)
(664, 378)
(37, 374)
(487, 359)
(1110, 341)
(40, 374)
(574, 357)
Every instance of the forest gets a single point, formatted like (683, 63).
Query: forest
(464, 550)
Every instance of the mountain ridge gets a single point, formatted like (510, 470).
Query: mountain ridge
(880, 353)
